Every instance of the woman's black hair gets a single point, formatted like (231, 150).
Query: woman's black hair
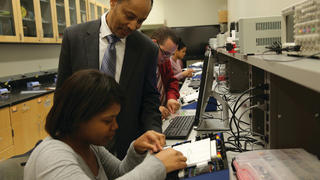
(82, 96)
(180, 44)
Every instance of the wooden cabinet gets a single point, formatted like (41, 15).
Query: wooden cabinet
(48, 34)
(96, 9)
(9, 28)
(73, 12)
(6, 153)
(28, 19)
(23, 125)
(6, 142)
(83, 12)
(46, 104)
(28, 121)
(43, 21)
(99, 10)
(92, 10)
(61, 17)
(25, 121)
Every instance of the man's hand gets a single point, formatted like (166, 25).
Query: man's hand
(173, 106)
(164, 112)
(149, 141)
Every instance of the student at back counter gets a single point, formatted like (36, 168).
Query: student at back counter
(80, 123)
(176, 62)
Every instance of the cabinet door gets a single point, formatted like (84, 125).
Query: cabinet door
(9, 31)
(28, 18)
(92, 10)
(99, 10)
(7, 153)
(83, 6)
(61, 14)
(5, 129)
(47, 32)
(46, 104)
(25, 121)
(73, 11)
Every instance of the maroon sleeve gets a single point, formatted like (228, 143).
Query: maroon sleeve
(171, 83)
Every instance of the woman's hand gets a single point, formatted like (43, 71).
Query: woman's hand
(149, 141)
(188, 73)
(172, 159)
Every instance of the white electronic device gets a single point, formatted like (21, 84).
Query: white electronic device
(301, 26)
(197, 152)
(255, 33)
(191, 97)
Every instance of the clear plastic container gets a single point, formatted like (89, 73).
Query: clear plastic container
(277, 164)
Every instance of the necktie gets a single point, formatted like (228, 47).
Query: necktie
(161, 89)
(108, 64)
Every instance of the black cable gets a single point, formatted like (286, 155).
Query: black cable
(233, 113)
(246, 139)
(277, 47)
(237, 147)
(295, 59)
(235, 109)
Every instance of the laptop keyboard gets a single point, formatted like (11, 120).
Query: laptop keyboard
(180, 127)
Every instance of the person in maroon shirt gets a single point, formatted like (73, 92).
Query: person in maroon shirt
(167, 85)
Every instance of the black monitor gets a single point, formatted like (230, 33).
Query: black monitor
(201, 91)
(205, 93)
(196, 39)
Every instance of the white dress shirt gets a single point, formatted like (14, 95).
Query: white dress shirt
(103, 44)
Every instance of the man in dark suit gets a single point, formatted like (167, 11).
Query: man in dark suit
(84, 46)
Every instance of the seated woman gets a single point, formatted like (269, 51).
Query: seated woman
(82, 121)
(176, 62)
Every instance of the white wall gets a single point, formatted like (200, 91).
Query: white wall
(253, 8)
(25, 58)
(192, 12)
(156, 15)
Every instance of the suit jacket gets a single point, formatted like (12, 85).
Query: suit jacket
(140, 112)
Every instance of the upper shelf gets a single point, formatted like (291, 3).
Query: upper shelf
(304, 71)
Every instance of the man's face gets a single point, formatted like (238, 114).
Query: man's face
(166, 49)
(127, 16)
